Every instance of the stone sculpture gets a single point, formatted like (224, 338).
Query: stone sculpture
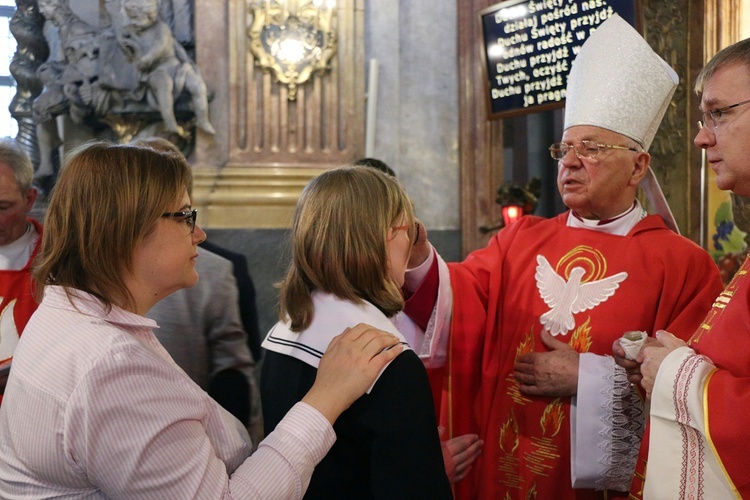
(123, 76)
(163, 66)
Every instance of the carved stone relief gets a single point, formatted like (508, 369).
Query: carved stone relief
(128, 76)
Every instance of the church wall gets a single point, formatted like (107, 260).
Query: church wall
(414, 42)
(417, 123)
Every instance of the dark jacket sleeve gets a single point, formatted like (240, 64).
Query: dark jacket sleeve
(246, 288)
(407, 461)
(284, 381)
(231, 390)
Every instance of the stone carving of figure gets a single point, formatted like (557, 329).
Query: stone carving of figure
(112, 75)
(163, 65)
(70, 79)
(179, 15)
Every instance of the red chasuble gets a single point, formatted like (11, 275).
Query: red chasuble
(670, 284)
(16, 301)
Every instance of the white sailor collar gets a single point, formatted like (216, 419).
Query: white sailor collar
(332, 316)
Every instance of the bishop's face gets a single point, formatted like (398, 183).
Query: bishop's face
(601, 187)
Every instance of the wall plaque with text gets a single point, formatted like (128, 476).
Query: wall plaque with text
(529, 46)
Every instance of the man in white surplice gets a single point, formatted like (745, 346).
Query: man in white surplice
(20, 238)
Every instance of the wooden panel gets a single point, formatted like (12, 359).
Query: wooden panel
(480, 141)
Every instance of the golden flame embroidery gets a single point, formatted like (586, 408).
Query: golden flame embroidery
(531, 494)
(581, 338)
(509, 435)
(552, 418)
(526, 346)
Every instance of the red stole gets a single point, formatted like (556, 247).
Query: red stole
(724, 337)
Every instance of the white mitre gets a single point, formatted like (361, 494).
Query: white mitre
(619, 83)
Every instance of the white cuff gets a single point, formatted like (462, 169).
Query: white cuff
(414, 277)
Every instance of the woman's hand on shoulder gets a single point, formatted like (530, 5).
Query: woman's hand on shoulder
(349, 367)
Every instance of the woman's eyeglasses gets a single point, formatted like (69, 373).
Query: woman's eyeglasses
(188, 217)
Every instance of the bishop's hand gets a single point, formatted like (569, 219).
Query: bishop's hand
(421, 248)
(553, 373)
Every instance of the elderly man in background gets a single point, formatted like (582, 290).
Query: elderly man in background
(20, 239)
(532, 317)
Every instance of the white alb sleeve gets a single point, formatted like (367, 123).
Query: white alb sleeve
(607, 419)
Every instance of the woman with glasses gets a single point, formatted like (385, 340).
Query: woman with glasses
(94, 406)
(352, 234)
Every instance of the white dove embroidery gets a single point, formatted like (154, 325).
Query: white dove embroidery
(568, 298)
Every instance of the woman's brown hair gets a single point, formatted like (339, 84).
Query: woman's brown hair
(107, 198)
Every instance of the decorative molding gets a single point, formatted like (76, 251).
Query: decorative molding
(666, 29)
(241, 197)
(722, 26)
(293, 39)
(266, 146)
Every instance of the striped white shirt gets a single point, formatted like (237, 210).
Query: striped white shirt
(96, 408)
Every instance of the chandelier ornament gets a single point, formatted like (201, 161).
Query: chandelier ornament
(293, 39)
